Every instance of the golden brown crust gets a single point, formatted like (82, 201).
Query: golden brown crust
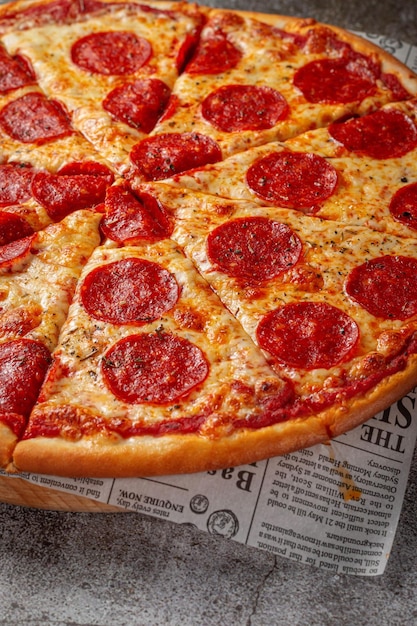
(176, 454)
(168, 454)
(7, 443)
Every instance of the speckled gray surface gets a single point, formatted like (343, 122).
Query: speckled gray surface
(121, 569)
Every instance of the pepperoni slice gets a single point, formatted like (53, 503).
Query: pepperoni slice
(15, 251)
(130, 291)
(87, 168)
(34, 119)
(381, 135)
(129, 219)
(399, 92)
(164, 155)
(294, 180)
(15, 72)
(112, 53)
(19, 321)
(335, 81)
(244, 107)
(23, 365)
(254, 248)
(155, 368)
(171, 108)
(308, 335)
(187, 49)
(403, 205)
(15, 182)
(214, 54)
(13, 227)
(139, 104)
(386, 286)
(75, 186)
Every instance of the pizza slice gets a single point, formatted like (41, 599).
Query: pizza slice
(151, 375)
(28, 119)
(35, 128)
(251, 83)
(362, 171)
(38, 276)
(113, 65)
(333, 307)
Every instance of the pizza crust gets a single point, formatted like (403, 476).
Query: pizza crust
(170, 454)
(179, 454)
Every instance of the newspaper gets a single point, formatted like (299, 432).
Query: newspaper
(333, 506)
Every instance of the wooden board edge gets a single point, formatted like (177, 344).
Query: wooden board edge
(20, 492)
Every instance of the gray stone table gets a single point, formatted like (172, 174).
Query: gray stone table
(119, 569)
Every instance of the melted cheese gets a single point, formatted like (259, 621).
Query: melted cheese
(198, 316)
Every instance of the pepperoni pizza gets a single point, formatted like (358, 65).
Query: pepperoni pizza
(208, 250)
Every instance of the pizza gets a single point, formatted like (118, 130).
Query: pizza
(208, 249)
